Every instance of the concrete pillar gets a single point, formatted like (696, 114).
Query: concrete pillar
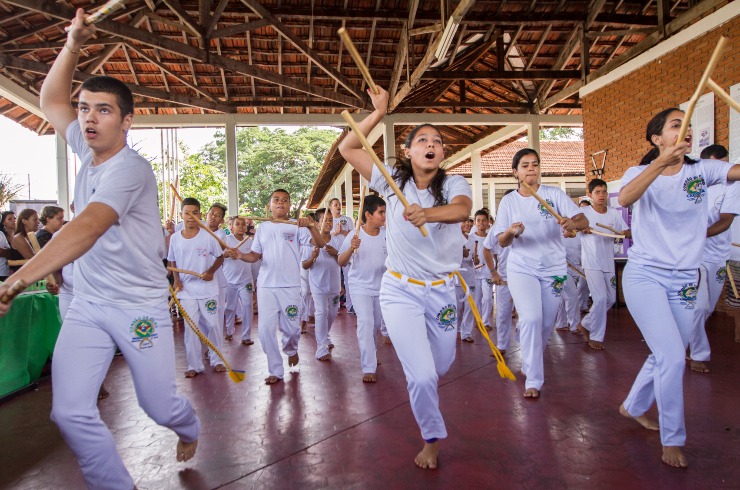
(349, 200)
(63, 197)
(533, 136)
(232, 176)
(389, 142)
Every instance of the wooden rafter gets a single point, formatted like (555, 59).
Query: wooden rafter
(185, 18)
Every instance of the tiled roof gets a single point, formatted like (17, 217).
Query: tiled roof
(558, 158)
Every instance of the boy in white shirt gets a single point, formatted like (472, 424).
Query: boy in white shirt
(597, 257)
(483, 292)
(241, 286)
(279, 281)
(215, 220)
(366, 264)
(342, 225)
(195, 250)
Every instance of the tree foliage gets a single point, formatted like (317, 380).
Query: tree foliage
(8, 190)
(561, 133)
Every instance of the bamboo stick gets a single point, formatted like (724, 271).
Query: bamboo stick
(36, 249)
(344, 35)
(714, 86)
(185, 271)
(361, 214)
(14, 291)
(207, 230)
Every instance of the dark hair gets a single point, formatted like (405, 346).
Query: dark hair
(2, 220)
(370, 205)
(404, 171)
(25, 214)
(218, 205)
(508, 191)
(522, 153)
(655, 128)
(110, 85)
(716, 152)
(480, 212)
(190, 201)
(48, 212)
(279, 190)
(596, 183)
(320, 211)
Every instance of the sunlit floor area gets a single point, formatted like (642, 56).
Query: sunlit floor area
(324, 428)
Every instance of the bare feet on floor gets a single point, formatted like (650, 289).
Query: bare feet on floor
(674, 456)
(468, 339)
(531, 393)
(229, 338)
(324, 358)
(293, 360)
(428, 456)
(699, 366)
(219, 368)
(582, 330)
(186, 450)
(369, 378)
(641, 419)
(596, 345)
(271, 380)
(191, 373)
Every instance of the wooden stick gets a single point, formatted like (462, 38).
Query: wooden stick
(208, 230)
(19, 263)
(268, 214)
(732, 281)
(714, 87)
(175, 193)
(246, 237)
(544, 203)
(368, 147)
(733, 244)
(185, 271)
(616, 232)
(577, 271)
(36, 249)
(608, 235)
(14, 291)
(108, 8)
(344, 35)
(360, 215)
(271, 220)
(172, 203)
(699, 89)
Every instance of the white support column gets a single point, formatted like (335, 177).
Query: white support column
(475, 159)
(337, 191)
(389, 141)
(492, 197)
(232, 176)
(349, 199)
(63, 197)
(533, 136)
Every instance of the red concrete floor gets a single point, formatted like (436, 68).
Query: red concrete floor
(324, 428)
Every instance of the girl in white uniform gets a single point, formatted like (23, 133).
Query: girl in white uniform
(341, 226)
(325, 281)
(668, 195)
(536, 269)
(366, 268)
(417, 294)
(238, 276)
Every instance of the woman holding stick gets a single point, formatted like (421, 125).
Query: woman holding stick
(667, 191)
(536, 266)
(417, 293)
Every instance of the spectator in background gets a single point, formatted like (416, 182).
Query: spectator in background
(28, 222)
(52, 217)
(7, 226)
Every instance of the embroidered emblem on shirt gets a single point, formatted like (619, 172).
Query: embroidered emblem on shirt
(613, 282)
(291, 311)
(558, 284)
(447, 318)
(144, 332)
(694, 188)
(721, 275)
(543, 210)
(343, 221)
(687, 295)
(211, 306)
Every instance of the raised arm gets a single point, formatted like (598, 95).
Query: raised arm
(351, 148)
(669, 156)
(57, 87)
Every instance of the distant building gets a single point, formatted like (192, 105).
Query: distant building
(18, 205)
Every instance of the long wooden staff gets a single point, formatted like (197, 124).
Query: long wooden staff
(14, 291)
(358, 59)
(271, 220)
(387, 176)
(175, 193)
(108, 8)
(732, 280)
(172, 203)
(714, 86)
(616, 232)
(699, 89)
(360, 215)
(608, 235)
(207, 230)
(17, 263)
(185, 271)
(574, 268)
(544, 203)
(36, 249)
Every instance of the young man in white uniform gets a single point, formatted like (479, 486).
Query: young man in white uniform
(597, 257)
(120, 281)
(483, 292)
(241, 286)
(214, 221)
(342, 225)
(279, 282)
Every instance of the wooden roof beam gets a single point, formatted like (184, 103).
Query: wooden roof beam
(502, 75)
(216, 16)
(239, 28)
(185, 18)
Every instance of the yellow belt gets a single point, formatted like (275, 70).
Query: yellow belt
(416, 281)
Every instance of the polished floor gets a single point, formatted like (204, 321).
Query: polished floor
(324, 428)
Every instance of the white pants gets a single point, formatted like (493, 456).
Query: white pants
(583, 294)
(421, 323)
(327, 306)
(504, 308)
(485, 291)
(204, 313)
(307, 306)
(221, 311)
(369, 319)
(239, 297)
(537, 300)
(278, 308)
(569, 312)
(603, 287)
(711, 283)
(662, 303)
(65, 299)
(347, 297)
(83, 353)
(465, 318)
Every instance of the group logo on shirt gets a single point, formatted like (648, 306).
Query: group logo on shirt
(201, 252)
(211, 306)
(543, 210)
(447, 318)
(694, 188)
(721, 275)
(291, 311)
(558, 284)
(687, 295)
(144, 332)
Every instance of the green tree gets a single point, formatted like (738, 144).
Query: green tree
(8, 190)
(561, 133)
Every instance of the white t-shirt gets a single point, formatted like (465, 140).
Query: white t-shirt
(367, 266)
(410, 253)
(325, 276)
(4, 268)
(722, 199)
(67, 286)
(219, 276)
(124, 268)
(735, 234)
(237, 272)
(539, 250)
(573, 247)
(481, 272)
(669, 221)
(279, 244)
(598, 251)
(501, 253)
(195, 254)
(347, 223)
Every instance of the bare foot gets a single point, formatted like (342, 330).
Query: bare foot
(229, 338)
(596, 345)
(427, 458)
(293, 360)
(191, 373)
(271, 380)
(531, 393)
(186, 450)
(641, 419)
(330, 346)
(699, 367)
(219, 368)
(469, 339)
(387, 340)
(582, 330)
(324, 358)
(673, 456)
(369, 378)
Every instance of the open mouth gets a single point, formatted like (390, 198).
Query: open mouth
(90, 132)
(430, 155)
